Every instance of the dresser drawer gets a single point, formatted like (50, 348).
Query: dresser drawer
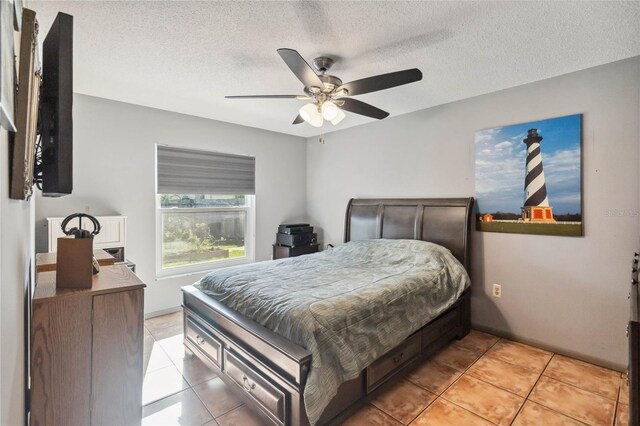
(439, 327)
(204, 340)
(382, 368)
(272, 400)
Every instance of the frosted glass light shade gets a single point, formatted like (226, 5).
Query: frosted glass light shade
(306, 111)
(329, 110)
(339, 116)
(311, 115)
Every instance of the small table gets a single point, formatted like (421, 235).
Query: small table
(280, 252)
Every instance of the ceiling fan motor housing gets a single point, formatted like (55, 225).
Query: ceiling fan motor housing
(330, 81)
(323, 63)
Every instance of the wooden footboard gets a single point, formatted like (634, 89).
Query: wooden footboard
(269, 372)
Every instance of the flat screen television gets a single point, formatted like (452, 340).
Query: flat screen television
(55, 171)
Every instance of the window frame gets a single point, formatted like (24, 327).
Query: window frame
(249, 208)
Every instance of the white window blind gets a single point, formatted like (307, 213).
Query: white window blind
(191, 171)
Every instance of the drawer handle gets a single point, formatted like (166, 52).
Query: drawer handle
(397, 359)
(246, 385)
(199, 339)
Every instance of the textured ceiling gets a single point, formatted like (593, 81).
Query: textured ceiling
(186, 56)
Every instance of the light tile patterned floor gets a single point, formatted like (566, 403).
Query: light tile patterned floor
(479, 380)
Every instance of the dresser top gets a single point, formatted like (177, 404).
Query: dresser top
(111, 279)
(47, 261)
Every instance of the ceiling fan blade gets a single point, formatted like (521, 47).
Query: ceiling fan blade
(381, 82)
(362, 108)
(298, 120)
(300, 68)
(300, 97)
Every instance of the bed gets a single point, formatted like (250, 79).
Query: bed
(270, 372)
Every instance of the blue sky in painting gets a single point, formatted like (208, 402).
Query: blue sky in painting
(500, 165)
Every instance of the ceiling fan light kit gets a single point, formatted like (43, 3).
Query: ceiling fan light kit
(328, 95)
(329, 110)
(339, 117)
(311, 115)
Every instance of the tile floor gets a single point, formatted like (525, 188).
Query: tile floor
(479, 380)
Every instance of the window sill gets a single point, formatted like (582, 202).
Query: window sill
(206, 268)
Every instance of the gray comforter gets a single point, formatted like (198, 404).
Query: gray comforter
(348, 305)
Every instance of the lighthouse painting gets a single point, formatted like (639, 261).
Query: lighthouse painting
(528, 177)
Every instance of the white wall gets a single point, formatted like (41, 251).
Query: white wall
(114, 173)
(16, 251)
(564, 293)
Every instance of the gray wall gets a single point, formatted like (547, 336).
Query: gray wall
(114, 173)
(563, 293)
(16, 252)
(567, 294)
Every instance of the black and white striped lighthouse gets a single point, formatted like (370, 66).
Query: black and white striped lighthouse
(536, 202)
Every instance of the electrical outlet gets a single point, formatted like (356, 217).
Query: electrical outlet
(497, 290)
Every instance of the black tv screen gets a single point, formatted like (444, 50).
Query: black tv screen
(56, 104)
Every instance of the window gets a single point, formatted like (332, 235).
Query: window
(200, 224)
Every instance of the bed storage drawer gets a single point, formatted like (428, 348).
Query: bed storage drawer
(272, 400)
(204, 340)
(383, 367)
(439, 327)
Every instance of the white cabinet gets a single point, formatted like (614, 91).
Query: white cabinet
(112, 233)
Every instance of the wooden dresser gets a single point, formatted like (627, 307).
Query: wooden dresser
(86, 350)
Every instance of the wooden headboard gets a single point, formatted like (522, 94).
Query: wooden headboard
(444, 221)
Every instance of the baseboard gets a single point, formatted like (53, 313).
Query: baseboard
(550, 348)
(162, 312)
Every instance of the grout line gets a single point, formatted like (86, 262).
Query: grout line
(559, 379)
(209, 421)
(440, 395)
(425, 408)
(201, 402)
(165, 397)
(437, 394)
(467, 369)
(532, 388)
(191, 386)
(233, 409)
(583, 389)
(550, 408)
(420, 412)
(384, 413)
(469, 411)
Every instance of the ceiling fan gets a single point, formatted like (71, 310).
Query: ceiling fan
(328, 96)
